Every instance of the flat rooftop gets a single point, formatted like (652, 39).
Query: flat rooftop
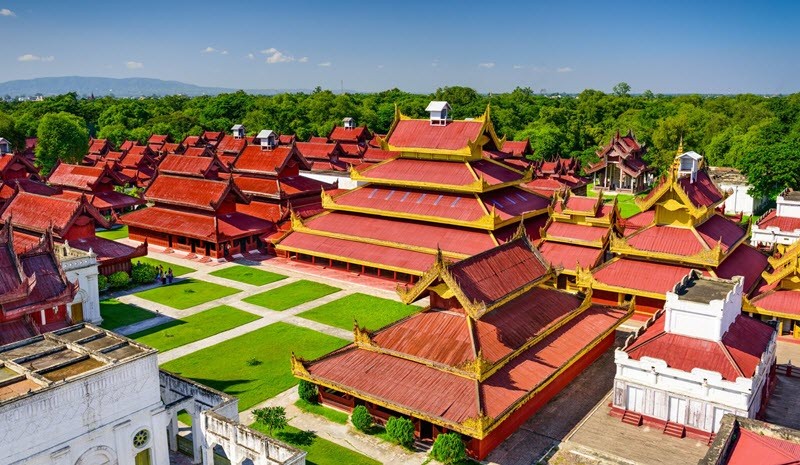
(58, 357)
(704, 290)
(791, 195)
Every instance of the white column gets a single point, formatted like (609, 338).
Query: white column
(123, 443)
(197, 436)
(172, 432)
(160, 443)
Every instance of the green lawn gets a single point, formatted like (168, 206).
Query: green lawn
(320, 451)
(333, 415)
(187, 293)
(116, 314)
(177, 270)
(248, 275)
(371, 312)
(193, 328)
(291, 295)
(626, 202)
(254, 366)
(114, 234)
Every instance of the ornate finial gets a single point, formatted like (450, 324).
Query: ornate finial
(680, 146)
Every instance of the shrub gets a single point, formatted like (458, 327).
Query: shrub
(118, 280)
(361, 418)
(102, 283)
(449, 449)
(307, 391)
(274, 418)
(143, 273)
(401, 430)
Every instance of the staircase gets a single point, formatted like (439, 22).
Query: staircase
(632, 418)
(675, 430)
(711, 437)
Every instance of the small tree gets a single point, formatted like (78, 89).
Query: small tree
(622, 89)
(274, 418)
(449, 449)
(308, 392)
(143, 273)
(361, 418)
(401, 430)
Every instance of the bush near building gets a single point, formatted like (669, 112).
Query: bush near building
(401, 431)
(143, 273)
(449, 449)
(308, 392)
(361, 418)
(118, 280)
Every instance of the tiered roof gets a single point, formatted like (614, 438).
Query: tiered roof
(779, 294)
(491, 337)
(199, 167)
(557, 175)
(578, 231)
(30, 280)
(435, 183)
(97, 182)
(679, 229)
(625, 152)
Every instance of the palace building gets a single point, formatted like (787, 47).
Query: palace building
(779, 227)
(437, 191)
(778, 298)
(695, 361)
(621, 168)
(18, 170)
(679, 229)
(493, 347)
(744, 441)
(577, 233)
(97, 183)
(72, 222)
(557, 176)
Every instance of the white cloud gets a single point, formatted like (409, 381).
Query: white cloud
(31, 57)
(488, 65)
(565, 69)
(251, 56)
(224, 52)
(303, 60)
(276, 56)
(7, 12)
(208, 50)
(134, 64)
(380, 66)
(518, 66)
(325, 64)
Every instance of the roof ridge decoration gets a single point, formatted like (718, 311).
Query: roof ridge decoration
(707, 257)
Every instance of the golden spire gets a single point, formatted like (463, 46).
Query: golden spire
(680, 146)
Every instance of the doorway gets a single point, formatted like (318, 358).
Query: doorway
(635, 401)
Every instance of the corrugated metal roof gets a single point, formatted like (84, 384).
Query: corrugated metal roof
(621, 272)
(577, 231)
(421, 134)
(756, 448)
(779, 300)
(568, 255)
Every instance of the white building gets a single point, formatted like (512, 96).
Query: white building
(781, 225)
(86, 396)
(695, 361)
(740, 200)
(81, 267)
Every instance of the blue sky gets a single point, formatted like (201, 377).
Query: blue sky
(492, 46)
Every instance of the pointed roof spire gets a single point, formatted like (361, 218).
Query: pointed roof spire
(680, 146)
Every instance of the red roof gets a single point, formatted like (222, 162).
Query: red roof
(494, 173)
(158, 139)
(784, 223)
(255, 159)
(372, 154)
(719, 229)
(193, 192)
(568, 255)
(200, 226)
(104, 201)
(84, 178)
(341, 134)
(412, 170)
(431, 236)
(442, 205)
(667, 239)
(317, 140)
(702, 192)
(779, 300)
(751, 447)
(7, 189)
(318, 150)
(509, 202)
(580, 232)
(736, 355)
(638, 221)
(414, 133)
(358, 252)
(230, 144)
(198, 152)
(744, 261)
(518, 147)
(497, 272)
(108, 250)
(37, 213)
(98, 146)
(289, 186)
(191, 166)
(621, 272)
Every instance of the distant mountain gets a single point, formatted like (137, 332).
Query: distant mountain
(125, 87)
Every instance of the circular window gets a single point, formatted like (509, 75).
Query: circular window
(141, 438)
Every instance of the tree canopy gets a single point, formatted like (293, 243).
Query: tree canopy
(724, 128)
(62, 136)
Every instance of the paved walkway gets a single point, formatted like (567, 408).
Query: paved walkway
(344, 435)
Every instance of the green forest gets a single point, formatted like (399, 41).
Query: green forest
(759, 135)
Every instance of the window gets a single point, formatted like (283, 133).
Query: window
(141, 438)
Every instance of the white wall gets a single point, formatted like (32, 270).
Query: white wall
(329, 177)
(87, 421)
(740, 201)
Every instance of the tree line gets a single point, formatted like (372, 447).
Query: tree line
(758, 134)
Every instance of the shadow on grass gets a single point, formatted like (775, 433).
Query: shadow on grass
(225, 386)
(297, 438)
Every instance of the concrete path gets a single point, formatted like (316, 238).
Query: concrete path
(344, 435)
